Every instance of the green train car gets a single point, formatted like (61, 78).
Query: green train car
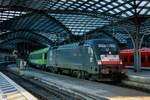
(38, 57)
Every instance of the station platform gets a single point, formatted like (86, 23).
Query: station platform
(9, 90)
(139, 79)
(142, 75)
(96, 90)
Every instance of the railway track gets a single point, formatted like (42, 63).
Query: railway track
(47, 92)
(37, 89)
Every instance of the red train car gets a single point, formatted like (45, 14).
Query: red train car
(127, 56)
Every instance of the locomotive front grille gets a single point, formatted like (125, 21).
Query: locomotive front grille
(108, 69)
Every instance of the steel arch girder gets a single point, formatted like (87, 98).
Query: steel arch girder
(12, 34)
(42, 13)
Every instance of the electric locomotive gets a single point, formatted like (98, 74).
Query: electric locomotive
(97, 57)
(91, 58)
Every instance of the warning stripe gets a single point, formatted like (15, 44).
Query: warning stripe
(110, 62)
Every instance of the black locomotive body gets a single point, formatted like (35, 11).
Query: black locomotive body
(96, 57)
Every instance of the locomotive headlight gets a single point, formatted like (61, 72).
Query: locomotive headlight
(120, 62)
(110, 52)
(99, 62)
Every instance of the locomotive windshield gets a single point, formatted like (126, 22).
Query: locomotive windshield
(105, 48)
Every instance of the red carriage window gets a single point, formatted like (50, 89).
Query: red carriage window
(149, 59)
(132, 59)
(143, 59)
(125, 59)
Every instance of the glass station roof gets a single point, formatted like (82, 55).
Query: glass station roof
(80, 24)
(123, 8)
(6, 15)
(60, 19)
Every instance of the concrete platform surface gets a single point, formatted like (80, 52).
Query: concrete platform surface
(142, 76)
(142, 73)
(9, 90)
(96, 89)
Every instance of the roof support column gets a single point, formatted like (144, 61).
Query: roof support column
(22, 51)
(137, 42)
(137, 39)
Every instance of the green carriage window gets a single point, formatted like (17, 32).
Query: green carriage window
(45, 55)
(36, 56)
